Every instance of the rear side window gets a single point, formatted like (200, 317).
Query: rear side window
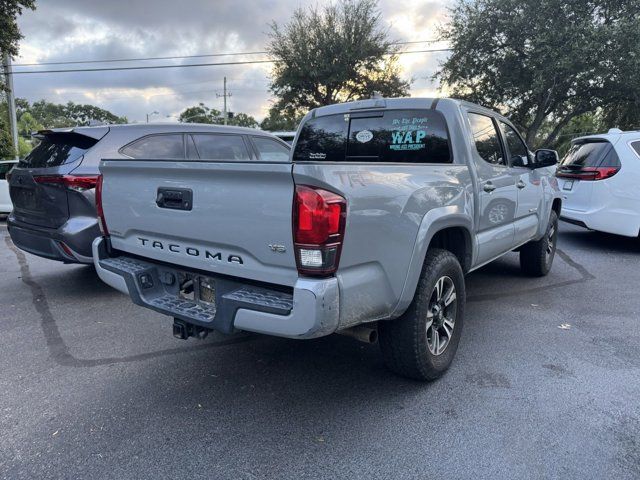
(270, 150)
(636, 147)
(598, 153)
(485, 137)
(161, 147)
(390, 136)
(56, 149)
(221, 147)
(323, 139)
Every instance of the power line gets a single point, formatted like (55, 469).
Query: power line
(219, 64)
(140, 59)
(176, 57)
(144, 67)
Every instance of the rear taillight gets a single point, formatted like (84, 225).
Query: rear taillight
(588, 173)
(319, 218)
(79, 183)
(101, 221)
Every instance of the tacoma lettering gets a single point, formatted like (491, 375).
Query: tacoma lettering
(191, 251)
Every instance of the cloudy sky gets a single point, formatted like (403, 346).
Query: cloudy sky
(73, 30)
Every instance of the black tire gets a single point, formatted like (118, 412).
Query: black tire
(405, 342)
(536, 258)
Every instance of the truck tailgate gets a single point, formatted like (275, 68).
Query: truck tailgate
(227, 218)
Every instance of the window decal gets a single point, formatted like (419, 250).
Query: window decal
(408, 133)
(364, 136)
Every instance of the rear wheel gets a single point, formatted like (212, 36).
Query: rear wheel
(421, 343)
(536, 258)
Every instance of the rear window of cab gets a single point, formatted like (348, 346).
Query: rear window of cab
(389, 136)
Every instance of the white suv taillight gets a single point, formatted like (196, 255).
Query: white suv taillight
(101, 221)
(319, 218)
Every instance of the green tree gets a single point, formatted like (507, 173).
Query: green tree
(9, 32)
(585, 124)
(6, 143)
(546, 62)
(203, 114)
(280, 119)
(200, 114)
(336, 53)
(24, 147)
(27, 125)
(9, 37)
(54, 115)
(243, 120)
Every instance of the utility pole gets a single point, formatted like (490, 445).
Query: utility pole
(13, 119)
(224, 96)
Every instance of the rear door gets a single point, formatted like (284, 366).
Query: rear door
(497, 189)
(222, 212)
(37, 191)
(528, 183)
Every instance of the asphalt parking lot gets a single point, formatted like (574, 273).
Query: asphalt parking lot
(546, 384)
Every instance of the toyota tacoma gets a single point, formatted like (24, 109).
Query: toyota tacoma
(368, 228)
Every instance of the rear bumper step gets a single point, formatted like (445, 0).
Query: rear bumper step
(308, 310)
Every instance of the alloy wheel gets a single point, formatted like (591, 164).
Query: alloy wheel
(441, 315)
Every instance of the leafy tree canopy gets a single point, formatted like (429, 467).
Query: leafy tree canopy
(546, 62)
(203, 114)
(9, 32)
(6, 143)
(280, 119)
(335, 53)
(52, 115)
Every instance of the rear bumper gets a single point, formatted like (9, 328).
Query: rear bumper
(609, 220)
(76, 235)
(308, 310)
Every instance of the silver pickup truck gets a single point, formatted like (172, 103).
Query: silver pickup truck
(366, 229)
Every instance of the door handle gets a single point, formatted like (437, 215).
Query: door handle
(489, 187)
(521, 184)
(174, 198)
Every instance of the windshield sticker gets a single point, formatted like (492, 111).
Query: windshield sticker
(363, 136)
(408, 133)
(317, 156)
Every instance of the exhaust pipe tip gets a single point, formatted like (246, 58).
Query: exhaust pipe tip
(361, 333)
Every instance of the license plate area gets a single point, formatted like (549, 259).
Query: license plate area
(568, 185)
(25, 198)
(198, 289)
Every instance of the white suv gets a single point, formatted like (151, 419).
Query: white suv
(599, 179)
(5, 200)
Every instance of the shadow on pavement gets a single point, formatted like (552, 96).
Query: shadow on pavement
(602, 241)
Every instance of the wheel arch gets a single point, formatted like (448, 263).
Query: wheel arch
(447, 228)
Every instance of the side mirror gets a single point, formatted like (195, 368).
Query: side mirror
(545, 158)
